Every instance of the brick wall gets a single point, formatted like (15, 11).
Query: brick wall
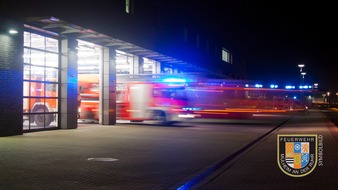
(11, 79)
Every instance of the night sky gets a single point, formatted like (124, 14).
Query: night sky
(272, 36)
(276, 36)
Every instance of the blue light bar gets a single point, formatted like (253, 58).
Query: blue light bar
(273, 86)
(290, 87)
(305, 87)
(174, 80)
(191, 109)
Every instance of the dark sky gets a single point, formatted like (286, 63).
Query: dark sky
(275, 36)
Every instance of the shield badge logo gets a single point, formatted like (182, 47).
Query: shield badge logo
(297, 154)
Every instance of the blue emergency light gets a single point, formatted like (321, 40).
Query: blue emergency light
(174, 80)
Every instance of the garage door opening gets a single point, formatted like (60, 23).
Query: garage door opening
(89, 61)
(40, 82)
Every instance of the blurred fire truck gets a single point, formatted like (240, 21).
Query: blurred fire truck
(136, 101)
(88, 97)
(235, 102)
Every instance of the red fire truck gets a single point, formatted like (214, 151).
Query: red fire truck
(137, 101)
(242, 102)
(41, 102)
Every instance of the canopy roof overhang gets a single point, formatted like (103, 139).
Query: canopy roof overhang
(59, 27)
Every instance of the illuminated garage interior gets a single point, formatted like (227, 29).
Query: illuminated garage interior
(50, 70)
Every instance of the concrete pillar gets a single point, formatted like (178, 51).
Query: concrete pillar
(157, 67)
(69, 86)
(11, 78)
(108, 87)
(140, 65)
(135, 65)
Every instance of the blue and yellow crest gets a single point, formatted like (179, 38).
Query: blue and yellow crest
(297, 154)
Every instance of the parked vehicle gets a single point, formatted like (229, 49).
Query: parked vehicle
(41, 104)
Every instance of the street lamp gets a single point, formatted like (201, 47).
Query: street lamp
(303, 74)
(301, 67)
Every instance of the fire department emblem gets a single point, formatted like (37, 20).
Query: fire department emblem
(297, 154)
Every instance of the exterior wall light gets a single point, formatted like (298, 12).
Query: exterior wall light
(13, 31)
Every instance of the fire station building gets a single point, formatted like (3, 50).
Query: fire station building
(42, 57)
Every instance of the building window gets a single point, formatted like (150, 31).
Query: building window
(129, 6)
(124, 62)
(89, 58)
(226, 56)
(149, 66)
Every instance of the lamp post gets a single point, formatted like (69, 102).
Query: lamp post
(303, 74)
(301, 67)
(315, 85)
